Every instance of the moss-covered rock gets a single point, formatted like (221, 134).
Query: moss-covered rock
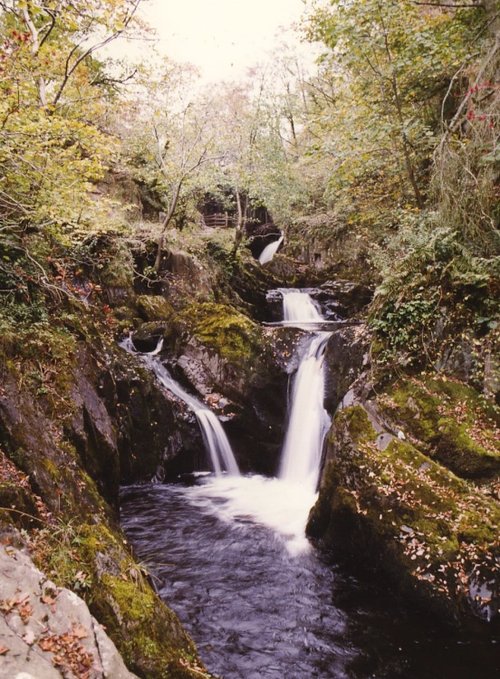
(435, 534)
(154, 308)
(223, 328)
(76, 417)
(93, 560)
(453, 422)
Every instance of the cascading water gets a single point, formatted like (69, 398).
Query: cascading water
(298, 307)
(230, 555)
(270, 250)
(214, 437)
(308, 420)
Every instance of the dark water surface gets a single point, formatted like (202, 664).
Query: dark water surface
(259, 610)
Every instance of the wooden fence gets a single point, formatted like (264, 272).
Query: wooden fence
(220, 220)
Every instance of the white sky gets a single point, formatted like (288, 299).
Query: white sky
(223, 38)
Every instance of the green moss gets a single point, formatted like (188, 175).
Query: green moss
(433, 531)
(117, 267)
(154, 308)
(453, 422)
(91, 560)
(232, 334)
(356, 419)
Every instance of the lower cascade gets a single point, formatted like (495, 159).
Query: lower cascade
(230, 555)
(308, 419)
(214, 437)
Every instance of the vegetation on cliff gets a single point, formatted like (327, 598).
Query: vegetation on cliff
(381, 167)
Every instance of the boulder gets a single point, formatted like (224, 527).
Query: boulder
(154, 308)
(434, 534)
(47, 631)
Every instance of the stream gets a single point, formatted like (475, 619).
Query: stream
(229, 554)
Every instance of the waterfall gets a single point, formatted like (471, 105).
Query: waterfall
(214, 437)
(298, 307)
(308, 421)
(270, 250)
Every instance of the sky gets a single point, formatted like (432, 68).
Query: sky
(223, 38)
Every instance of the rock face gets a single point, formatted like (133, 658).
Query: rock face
(346, 356)
(229, 362)
(383, 495)
(48, 632)
(100, 420)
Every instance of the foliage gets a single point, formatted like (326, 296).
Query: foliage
(53, 105)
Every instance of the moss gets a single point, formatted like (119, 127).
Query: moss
(232, 334)
(453, 422)
(356, 419)
(117, 267)
(91, 560)
(433, 531)
(154, 308)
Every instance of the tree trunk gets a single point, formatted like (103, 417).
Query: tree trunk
(35, 47)
(164, 226)
(406, 147)
(240, 225)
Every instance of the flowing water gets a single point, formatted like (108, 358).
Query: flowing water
(270, 250)
(308, 421)
(229, 555)
(214, 436)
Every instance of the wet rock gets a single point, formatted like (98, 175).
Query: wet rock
(147, 336)
(346, 356)
(286, 269)
(157, 433)
(343, 298)
(92, 430)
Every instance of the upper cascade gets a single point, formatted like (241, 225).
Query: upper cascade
(270, 250)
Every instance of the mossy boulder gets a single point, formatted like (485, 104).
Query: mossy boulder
(224, 329)
(451, 421)
(92, 560)
(154, 308)
(391, 507)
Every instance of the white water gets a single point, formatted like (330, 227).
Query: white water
(298, 307)
(281, 504)
(270, 250)
(308, 421)
(214, 437)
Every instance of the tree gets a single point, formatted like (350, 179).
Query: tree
(52, 108)
(392, 60)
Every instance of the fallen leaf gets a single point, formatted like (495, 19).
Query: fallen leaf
(80, 632)
(4, 650)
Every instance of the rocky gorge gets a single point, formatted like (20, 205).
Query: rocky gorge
(410, 473)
